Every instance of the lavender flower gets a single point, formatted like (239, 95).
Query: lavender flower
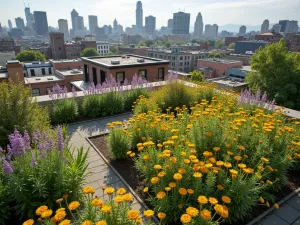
(36, 136)
(60, 139)
(1, 150)
(8, 154)
(17, 143)
(7, 167)
(33, 161)
(26, 140)
(172, 76)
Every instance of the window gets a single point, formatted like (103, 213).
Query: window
(143, 74)
(161, 74)
(181, 64)
(49, 70)
(48, 89)
(181, 57)
(120, 77)
(35, 92)
(95, 76)
(32, 72)
(43, 71)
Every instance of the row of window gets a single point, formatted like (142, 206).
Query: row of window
(173, 57)
(75, 54)
(103, 47)
(36, 91)
(32, 71)
(103, 51)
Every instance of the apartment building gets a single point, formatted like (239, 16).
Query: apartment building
(102, 48)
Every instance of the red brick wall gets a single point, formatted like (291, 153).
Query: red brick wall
(220, 69)
(66, 65)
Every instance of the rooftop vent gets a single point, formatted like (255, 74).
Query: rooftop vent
(35, 62)
(128, 57)
(49, 78)
(123, 57)
(140, 60)
(37, 78)
(115, 62)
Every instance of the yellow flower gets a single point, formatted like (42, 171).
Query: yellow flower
(212, 200)
(47, 213)
(139, 220)
(133, 214)
(227, 165)
(121, 191)
(238, 158)
(197, 175)
(205, 214)
(146, 189)
(202, 199)
(96, 202)
(226, 199)
(161, 174)
(88, 190)
(264, 159)
(177, 176)
(60, 215)
(119, 199)
(219, 163)
(127, 197)
(185, 218)
(58, 201)
(193, 212)
(41, 209)
(220, 187)
(106, 209)
(28, 222)
(181, 171)
(233, 172)
(148, 213)
(276, 206)
(157, 167)
(160, 195)
(161, 215)
(154, 180)
(218, 208)
(242, 148)
(65, 222)
(167, 188)
(261, 199)
(109, 190)
(73, 205)
(53, 220)
(216, 149)
(182, 191)
(87, 222)
(101, 222)
(190, 191)
(242, 166)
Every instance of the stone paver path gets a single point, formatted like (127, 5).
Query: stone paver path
(100, 174)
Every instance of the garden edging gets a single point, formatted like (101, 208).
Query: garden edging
(116, 172)
(269, 211)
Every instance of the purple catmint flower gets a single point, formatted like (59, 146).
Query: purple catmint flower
(36, 136)
(60, 139)
(264, 98)
(17, 143)
(7, 167)
(50, 144)
(26, 138)
(74, 94)
(8, 155)
(33, 160)
(65, 92)
(258, 95)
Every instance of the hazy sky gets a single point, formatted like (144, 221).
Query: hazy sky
(248, 12)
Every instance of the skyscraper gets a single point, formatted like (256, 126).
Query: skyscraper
(10, 25)
(292, 26)
(211, 30)
(29, 17)
(283, 24)
(74, 15)
(215, 29)
(20, 23)
(93, 23)
(170, 23)
(242, 30)
(181, 23)
(120, 29)
(276, 28)
(265, 27)
(41, 23)
(150, 24)
(139, 17)
(63, 28)
(115, 28)
(198, 29)
(79, 23)
(207, 31)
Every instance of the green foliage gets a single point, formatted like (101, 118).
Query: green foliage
(19, 111)
(30, 55)
(89, 52)
(231, 46)
(197, 76)
(4, 202)
(144, 105)
(277, 72)
(142, 44)
(114, 50)
(219, 44)
(119, 142)
(64, 111)
(113, 103)
(214, 55)
(131, 96)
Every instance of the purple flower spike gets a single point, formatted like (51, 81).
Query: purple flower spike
(26, 140)
(17, 143)
(7, 167)
(60, 139)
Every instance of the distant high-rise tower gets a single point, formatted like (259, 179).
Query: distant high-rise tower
(93, 23)
(20, 23)
(207, 31)
(276, 28)
(170, 23)
(181, 23)
(41, 23)
(215, 29)
(283, 24)
(1, 30)
(29, 17)
(292, 26)
(265, 27)
(79, 23)
(115, 28)
(10, 25)
(150, 24)
(242, 30)
(139, 17)
(63, 28)
(74, 15)
(198, 29)
(211, 30)
(120, 29)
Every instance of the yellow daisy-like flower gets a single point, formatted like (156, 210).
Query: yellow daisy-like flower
(87, 222)
(154, 180)
(218, 208)
(242, 166)
(133, 214)
(160, 195)
(205, 214)
(238, 158)
(161, 174)
(101, 222)
(146, 189)
(127, 197)
(121, 191)
(96, 202)
(40, 210)
(28, 222)
(148, 213)
(226, 199)
(177, 176)
(220, 187)
(182, 191)
(157, 167)
(119, 199)
(109, 190)
(212, 200)
(185, 218)
(181, 171)
(106, 209)
(60, 215)
(202, 199)
(47, 213)
(219, 163)
(88, 190)
(73, 205)
(227, 165)
(65, 222)
(216, 149)
(197, 175)
(161, 215)
(265, 160)
(193, 212)
(190, 191)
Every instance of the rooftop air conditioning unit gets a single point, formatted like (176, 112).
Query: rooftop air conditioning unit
(123, 57)
(140, 60)
(49, 78)
(37, 78)
(115, 62)
(128, 57)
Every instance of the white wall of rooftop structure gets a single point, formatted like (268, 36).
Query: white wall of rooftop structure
(38, 69)
(103, 48)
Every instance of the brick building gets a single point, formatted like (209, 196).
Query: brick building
(97, 69)
(270, 37)
(8, 45)
(293, 41)
(133, 50)
(229, 40)
(57, 45)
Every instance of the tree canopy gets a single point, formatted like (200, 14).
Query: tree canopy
(30, 55)
(218, 44)
(231, 46)
(214, 55)
(277, 71)
(89, 52)
(197, 76)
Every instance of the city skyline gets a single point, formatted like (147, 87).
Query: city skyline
(124, 11)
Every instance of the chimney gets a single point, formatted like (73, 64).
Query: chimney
(15, 70)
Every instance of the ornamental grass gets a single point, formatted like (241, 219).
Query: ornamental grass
(213, 162)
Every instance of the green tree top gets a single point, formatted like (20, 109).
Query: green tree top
(231, 46)
(214, 55)
(197, 76)
(30, 55)
(277, 72)
(89, 52)
(218, 44)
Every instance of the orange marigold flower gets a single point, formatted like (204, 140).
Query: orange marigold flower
(202, 199)
(226, 199)
(73, 205)
(148, 213)
(67, 222)
(220, 187)
(212, 200)
(160, 195)
(121, 191)
(182, 191)
(193, 212)
(205, 214)
(109, 190)
(161, 215)
(177, 176)
(40, 210)
(133, 214)
(28, 222)
(154, 180)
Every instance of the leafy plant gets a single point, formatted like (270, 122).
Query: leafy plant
(131, 96)
(88, 52)
(64, 111)
(30, 55)
(197, 76)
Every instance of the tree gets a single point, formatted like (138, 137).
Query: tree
(197, 76)
(214, 55)
(142, 43)
(276, 71)
(88, 52)
(114, 50)
(231, 46)
(218, 44)
(30, 55)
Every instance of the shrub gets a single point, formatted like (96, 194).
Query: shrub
(64, 111)
(112, 103)
(118, 141)
(197, 76)
(92, 106)
(4, 202)
(144, 105)
(114, 208)
(41, 171)
(19, 111)
(131, 96)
